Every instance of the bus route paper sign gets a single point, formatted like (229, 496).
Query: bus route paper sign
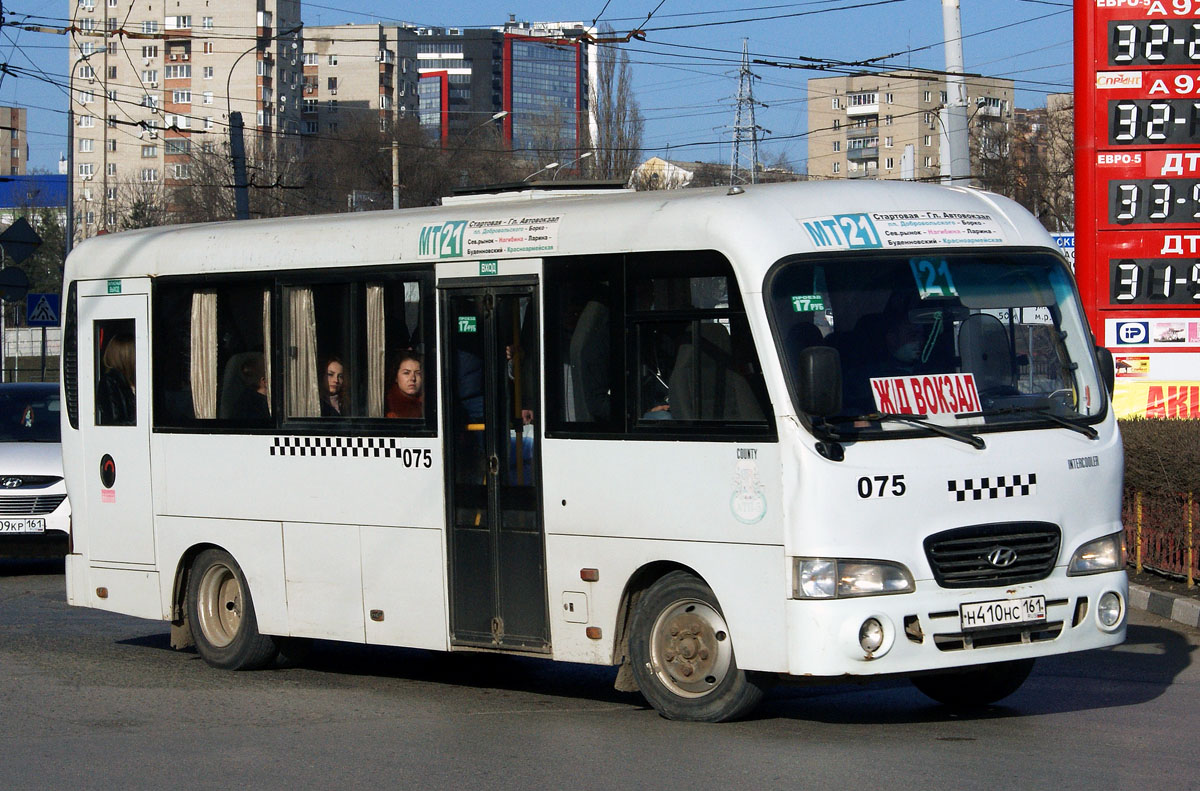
(935, 395)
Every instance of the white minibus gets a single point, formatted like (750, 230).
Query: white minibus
(711, 437)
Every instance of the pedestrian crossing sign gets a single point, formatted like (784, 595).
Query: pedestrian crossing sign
(41, 310)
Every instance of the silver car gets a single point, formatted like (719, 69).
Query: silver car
(35, 517)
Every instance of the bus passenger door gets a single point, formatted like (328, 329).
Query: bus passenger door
(492, 407)
(114, 332)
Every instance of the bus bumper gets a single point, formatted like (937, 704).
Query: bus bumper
(922, 630)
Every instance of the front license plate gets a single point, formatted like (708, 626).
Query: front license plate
(22, 525)
(980, 615)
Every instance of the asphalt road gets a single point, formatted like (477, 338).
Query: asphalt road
(94, 700)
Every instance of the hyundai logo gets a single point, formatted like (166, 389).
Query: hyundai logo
(11, 483)
(1001, 557)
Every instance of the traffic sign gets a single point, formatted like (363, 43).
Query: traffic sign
(19, 240)
(41, 310)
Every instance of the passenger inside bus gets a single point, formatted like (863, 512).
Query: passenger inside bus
(406, 395)
(333, 391)
(115, 404)
(253, 403)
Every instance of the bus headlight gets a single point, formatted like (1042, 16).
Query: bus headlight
(832, 578)
(1103, 554)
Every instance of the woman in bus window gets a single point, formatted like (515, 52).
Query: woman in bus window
(115, 405)
(333, 387)
(406, 396)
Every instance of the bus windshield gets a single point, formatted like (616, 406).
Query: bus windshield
(956, 339)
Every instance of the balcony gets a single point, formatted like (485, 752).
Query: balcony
(863, 154)
(858, 132)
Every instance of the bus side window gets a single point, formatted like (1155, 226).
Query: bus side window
(116, 372)
(212, 354)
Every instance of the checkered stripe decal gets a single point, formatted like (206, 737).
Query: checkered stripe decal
(364, 447)
(993, 488)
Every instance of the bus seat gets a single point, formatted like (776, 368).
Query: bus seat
(232, 385)
(707, 386)
(589, 362)
(985, 352)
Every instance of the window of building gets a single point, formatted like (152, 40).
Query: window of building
(179, 72)
(208, 72)
(86, 72)
(208, 97)
(310, 58)
(112, 121)
(150, 75)
(943, 97)
(837, 145)
(208, 147)
(836, 103)
(111, 193)
(111, 47)
(87, 169)
(927, 96)
(928, 119)
(149, 100)
(208, 47)
(331, 84)
(310, 127)
(836, 124)
(181, 171)
(887, 120)
(887, 98)
(112, 72)
(177, 145)
(651, 344)
(85, 145)
(149, 175)
(85, 121)
(150, 52)
(332, 60)
(179, 22)
(928, 140)
(149, 151)
(837, 167)
(206, 23)
(86, 24)
(149, 26)
(111, 169)
(208, 120)
(111, 144)
(85, 97)
(87, 5)
(889, 163)
(887, 142)
(181, 97)
(333, 106)
(928, 162)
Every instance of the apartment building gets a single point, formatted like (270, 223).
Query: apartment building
(352, 72)
(152, 85)
(13, 129)
(889, 125)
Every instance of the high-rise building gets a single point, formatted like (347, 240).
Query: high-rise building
(13, 129)
(889, 125)
(153, 84)
(356, 72)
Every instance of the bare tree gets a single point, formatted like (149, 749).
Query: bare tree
(618, 136)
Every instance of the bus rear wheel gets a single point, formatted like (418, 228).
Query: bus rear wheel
(977, 687)
(221, 614)
(682, 654)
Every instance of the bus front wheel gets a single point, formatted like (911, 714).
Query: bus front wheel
(976, 687)
(221, 614)
(682, 654)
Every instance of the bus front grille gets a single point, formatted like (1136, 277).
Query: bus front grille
(984, 556)
(30, 506)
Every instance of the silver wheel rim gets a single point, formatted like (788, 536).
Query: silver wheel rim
(690, 651)
(219, 605)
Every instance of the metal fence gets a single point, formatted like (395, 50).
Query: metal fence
(1160, 532)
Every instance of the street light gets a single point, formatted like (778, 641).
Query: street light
(539, 170)
(70, 241)
(572, 162)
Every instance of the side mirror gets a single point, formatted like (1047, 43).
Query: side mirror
(1108, 370)
(819, 381)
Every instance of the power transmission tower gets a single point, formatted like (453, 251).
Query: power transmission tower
(745, 130)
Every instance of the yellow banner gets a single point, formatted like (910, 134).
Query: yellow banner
(1140, 398)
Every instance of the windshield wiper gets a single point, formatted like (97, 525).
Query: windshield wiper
(921, 421)
(1040, 411)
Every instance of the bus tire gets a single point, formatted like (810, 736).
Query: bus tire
(977, 687)
(683, 657)
(221, 614)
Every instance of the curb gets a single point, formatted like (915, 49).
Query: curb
(1181, 609)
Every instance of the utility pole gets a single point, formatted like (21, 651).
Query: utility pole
(237, 150)
(745, 130)
(955, 155)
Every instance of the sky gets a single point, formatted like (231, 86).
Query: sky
(686, 69)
